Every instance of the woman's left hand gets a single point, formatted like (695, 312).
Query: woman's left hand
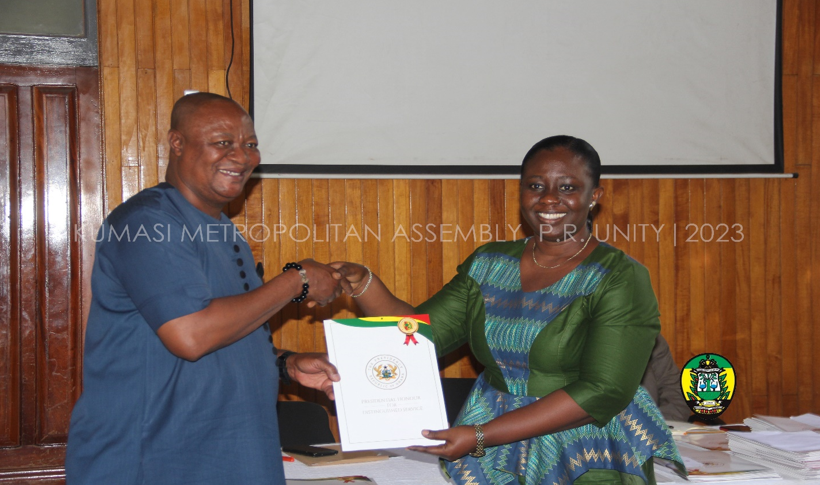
(459, 441)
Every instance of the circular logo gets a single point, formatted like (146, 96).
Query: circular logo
(386, 372)
(708, 385)
(408, 326)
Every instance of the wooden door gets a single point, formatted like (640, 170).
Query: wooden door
(51, 205)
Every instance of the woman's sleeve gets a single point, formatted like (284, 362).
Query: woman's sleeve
(451, 311)
(622, 329)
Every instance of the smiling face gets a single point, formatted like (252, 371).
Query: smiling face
(213, 152)
(556, 192)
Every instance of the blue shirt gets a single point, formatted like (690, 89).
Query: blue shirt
(145, 415)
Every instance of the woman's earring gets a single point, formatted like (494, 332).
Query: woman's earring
(591, 205)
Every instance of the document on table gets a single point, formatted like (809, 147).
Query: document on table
(390, 389)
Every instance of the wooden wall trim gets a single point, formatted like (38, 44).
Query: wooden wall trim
(9, 270)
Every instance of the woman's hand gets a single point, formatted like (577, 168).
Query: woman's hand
(459, 441)
(353, 275)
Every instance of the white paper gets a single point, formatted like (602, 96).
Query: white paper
(390, 389)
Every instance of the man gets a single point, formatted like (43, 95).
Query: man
(180, 378)
(662, 380)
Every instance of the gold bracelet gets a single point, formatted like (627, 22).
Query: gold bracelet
(479, 442)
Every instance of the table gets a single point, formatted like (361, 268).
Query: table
(408, 468)
(414, 468)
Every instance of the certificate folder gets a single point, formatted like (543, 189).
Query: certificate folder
(390, 389)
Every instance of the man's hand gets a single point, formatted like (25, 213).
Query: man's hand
(312, 369)
(324, 282)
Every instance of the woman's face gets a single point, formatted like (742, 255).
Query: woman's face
(556, 192)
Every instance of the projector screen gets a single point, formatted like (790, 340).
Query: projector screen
(435, 87)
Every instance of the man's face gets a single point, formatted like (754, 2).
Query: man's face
(216, 151)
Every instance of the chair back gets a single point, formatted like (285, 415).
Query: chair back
(303, 423)
(455, 390)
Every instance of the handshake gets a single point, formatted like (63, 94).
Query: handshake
(328, 281)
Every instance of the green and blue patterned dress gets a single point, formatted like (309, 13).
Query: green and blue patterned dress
(590, 334)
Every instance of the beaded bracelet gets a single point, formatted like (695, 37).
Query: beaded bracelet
(281, 362)
(366, 285)
(305, 285)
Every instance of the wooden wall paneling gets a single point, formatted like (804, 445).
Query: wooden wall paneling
(513, 225)
(164, 82)
(52, 128)
(633, 245)
(401, 263)
(302, 236)
(56, 167)
(271, 257)
(27, 235)
(450, 258)
(788, 303)
(789, 36)
(288, 252)
(385, 258)
(666, 258)
(198, 44)
(107, 34)
(773, 282)
(805, 68)
(708, 235)
(435, 249)
(321, 252)
(725, 270)
(803, 282)
(180, 33)
(481, 213)
(216, 38)
(742, 402)
(341, 307)
(182, 82)
(144, 15)
(418, 246)
(111, 136)
(697, 266)
(463, 230)
(682, 270)
(374, 232)
(129, 137)
(757, 241)
(147, 127)
(10, 376)
(649, 233)
(235, 77)
(814, 224)
(805, 31)
(497, 204)
(789, 90)
(216, 82)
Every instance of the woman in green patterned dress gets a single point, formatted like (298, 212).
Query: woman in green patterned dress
(564, 326)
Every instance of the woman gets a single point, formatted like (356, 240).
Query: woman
(564, 326)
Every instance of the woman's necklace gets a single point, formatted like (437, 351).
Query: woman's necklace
(562, 263)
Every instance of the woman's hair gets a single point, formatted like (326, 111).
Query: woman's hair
(577, 146)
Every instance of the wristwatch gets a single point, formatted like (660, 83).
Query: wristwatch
(479, 442)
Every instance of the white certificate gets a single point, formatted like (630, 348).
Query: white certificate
(390, 389)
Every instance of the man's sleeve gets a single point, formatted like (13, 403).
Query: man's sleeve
(156, 266)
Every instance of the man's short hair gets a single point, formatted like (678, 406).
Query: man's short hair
(188, 104)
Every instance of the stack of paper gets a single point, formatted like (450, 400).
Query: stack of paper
(805, 422)
(792, 454)
(709, 466)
